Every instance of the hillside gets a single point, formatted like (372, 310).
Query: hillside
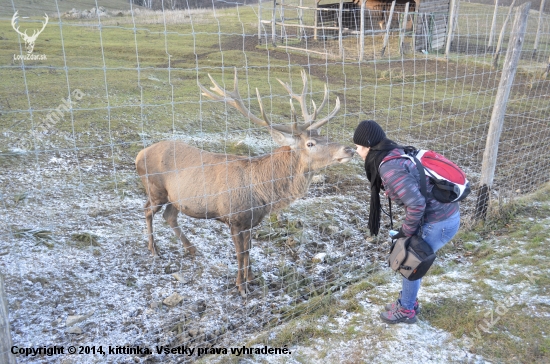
(37, 8)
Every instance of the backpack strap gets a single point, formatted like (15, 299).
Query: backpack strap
(422, 173)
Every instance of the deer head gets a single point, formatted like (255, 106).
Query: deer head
(316, 151)
(29, 40)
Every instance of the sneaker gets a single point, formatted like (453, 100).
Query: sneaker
(394, 305)
(399, 315)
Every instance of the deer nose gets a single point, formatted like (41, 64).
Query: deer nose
(349, 150)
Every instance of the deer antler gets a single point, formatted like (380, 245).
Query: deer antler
(310, 122)
(13, 19)
(234, 99)
(35, 33)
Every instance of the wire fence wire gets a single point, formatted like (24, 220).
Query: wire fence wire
(101, 85)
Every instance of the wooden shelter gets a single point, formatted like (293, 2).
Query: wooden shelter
(358, 28)
(427, 18)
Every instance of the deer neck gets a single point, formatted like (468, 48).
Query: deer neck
(282, 177)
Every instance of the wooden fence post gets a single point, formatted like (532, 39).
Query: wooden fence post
(388, 26)
(301, 20)
(488, 166)
(273, 26)
(362, 35)
(283, 29)
(259, 21)
(547, 71)
(404, 30)
(450, 27)
(340, 26)
(501, 36)
(316, 20)
(5, 337)
(493, 26)
(539, 28)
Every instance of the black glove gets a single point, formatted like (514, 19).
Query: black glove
(400, 234)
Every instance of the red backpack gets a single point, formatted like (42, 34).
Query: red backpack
(450, 182)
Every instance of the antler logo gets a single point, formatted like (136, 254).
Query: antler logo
(29, 40)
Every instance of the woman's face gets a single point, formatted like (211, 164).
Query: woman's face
(362, 151)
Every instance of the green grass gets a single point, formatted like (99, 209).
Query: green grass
(519, 330)
(516, 331)
(122, 100)
(38, 8)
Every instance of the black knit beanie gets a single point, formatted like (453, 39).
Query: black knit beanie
(368, 133)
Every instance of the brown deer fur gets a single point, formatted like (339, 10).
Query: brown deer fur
(237, 190)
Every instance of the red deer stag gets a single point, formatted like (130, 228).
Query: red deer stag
(237, 190)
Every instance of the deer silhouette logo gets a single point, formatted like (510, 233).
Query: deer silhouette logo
(29, 39)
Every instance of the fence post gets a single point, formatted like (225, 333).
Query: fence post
(316, 19)
(547, 71)
(402, 35)
(493, 26)
(283, 29)
(301, 21)
(362, 35)
(259, 21)
(340, 18)
(388, 26)
(450, 28)
(501, 36)
(497, 118)
(273, 27)
(5, 337)
(539, 28)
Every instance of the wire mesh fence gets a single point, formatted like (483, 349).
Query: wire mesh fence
(98, 88)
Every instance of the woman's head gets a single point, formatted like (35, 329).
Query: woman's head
(373, 146)
(367, 134)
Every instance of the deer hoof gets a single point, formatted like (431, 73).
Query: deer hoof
(243, 290)
(191, 250)
(155, 254)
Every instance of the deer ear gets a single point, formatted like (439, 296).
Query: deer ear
(283, 139)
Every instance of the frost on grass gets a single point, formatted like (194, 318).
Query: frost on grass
(78, 271)
(93, 263)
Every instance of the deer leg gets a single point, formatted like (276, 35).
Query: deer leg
(237, 236)
(150, 212)
(247, 244)
(171, 216)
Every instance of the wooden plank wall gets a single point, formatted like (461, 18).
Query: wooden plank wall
(435, 24)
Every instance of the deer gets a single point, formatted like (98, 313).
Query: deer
(238, 190)
(29, 40)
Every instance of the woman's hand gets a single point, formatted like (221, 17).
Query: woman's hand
(400, 234)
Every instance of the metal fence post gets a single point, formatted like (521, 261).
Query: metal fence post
(497, 118)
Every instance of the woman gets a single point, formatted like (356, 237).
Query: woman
(400, 179)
